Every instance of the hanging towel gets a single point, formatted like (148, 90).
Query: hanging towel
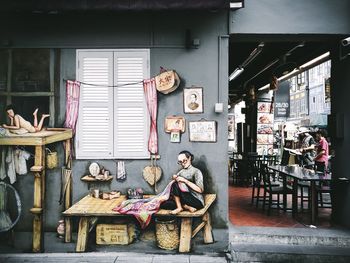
(149, 87)
(72, 103)
(121, 174)
(21, 157)
(10, 161)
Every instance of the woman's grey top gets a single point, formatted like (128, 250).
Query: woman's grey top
(195, 176)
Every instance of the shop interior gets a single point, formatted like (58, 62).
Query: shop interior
(279, 92)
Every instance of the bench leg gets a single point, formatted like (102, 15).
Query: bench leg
(208, 234)
(185, 235)
(83, 234)
(68, 230)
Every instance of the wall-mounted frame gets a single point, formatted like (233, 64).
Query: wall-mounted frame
(202, 131)
(193, 100)
(174, 123)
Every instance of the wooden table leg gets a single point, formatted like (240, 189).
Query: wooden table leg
(68, 194)
(295, 198)
(208, 234)
(39, 198)
(313, 202)
(185, 235)
(284, 194)
(83, 234)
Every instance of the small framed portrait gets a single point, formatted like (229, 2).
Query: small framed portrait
(174, 123)
(202, 131)
(175, 136)
(193, 100)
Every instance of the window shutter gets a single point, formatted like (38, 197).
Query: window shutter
(130, 110)
(95, 122)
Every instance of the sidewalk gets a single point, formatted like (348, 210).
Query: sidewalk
(109, 257)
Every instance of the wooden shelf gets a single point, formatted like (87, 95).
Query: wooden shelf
(89, 178)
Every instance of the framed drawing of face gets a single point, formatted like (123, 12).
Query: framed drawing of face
(175, 123)
(193, 100)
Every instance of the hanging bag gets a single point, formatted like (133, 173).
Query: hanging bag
(51, 159)
(152, 173)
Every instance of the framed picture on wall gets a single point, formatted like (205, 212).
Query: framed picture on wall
(193, 100)
(174, 123)
(202, 131)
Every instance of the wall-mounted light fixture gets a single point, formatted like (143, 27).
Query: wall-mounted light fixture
(246, 62)
(236, 73)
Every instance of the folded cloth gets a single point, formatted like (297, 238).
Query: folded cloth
(143, 209)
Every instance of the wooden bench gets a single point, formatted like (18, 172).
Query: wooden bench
(89, 209)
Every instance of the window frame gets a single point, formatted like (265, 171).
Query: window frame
(9, 94)
(146, 154)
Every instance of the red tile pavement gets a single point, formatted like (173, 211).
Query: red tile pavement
(243, 213)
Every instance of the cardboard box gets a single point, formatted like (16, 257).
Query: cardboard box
(115, 234)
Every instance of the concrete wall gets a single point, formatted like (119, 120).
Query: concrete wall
(164, 34)
(340, 94)
(291, 17)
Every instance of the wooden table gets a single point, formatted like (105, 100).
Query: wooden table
(303, 174)
(39, 140)
(89, 209)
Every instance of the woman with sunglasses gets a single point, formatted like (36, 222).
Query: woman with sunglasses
(186, 192)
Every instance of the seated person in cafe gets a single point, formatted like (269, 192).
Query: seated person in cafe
(307, 149)
(187, 192)
(321, 158)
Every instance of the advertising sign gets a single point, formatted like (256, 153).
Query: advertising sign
(282, 100)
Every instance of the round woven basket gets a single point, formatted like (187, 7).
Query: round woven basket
(167, 234)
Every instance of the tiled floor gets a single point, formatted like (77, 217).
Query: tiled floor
(243, 213)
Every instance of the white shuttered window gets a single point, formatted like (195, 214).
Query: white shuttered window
(113, 122)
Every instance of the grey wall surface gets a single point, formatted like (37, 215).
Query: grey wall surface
(164, 34)
(291, 17)
(340, 92)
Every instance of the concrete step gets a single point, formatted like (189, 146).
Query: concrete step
(250, 252)
(290, 236)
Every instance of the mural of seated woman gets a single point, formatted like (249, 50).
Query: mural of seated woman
(17, 122)
(186, 192)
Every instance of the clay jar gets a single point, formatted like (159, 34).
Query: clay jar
(60, 228)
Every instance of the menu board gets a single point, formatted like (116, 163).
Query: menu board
(264, 137)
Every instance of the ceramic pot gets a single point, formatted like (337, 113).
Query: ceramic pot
(60, 229)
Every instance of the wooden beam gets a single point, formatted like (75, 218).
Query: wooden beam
(83, 234)
(208, 234)
(27, 94)
(68, 193)
(197, 229)
(37, 231)
(185, 235)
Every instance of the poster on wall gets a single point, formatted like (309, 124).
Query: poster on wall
(202, 131)
(264, 136)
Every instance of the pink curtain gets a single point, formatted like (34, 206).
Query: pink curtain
(72, 104)
(149, 87)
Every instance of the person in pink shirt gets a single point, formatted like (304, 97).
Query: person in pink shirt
(321, 158)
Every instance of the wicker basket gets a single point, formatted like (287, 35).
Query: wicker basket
(51, 159)
(167, 234)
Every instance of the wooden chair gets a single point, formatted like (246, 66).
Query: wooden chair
(258, 183)
(272, 190)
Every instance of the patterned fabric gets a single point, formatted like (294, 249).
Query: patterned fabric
(143, 209)
(72, 104)
(195, 176)
(149, 87)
